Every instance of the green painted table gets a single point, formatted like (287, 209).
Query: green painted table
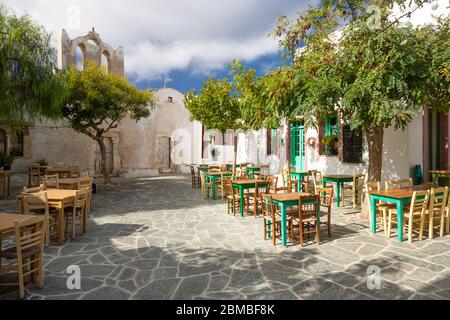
(201, 169)
(436, 174)
(399, 197)
(299, 175)
(339, 180)
(284, 201)
(245, 185)
(213, 178)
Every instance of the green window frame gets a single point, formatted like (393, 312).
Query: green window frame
(332, 130)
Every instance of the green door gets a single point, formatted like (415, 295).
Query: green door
(298, 146)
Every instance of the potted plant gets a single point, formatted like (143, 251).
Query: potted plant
(331, 142)
(214, 153)
(6, 162)
(42, 163)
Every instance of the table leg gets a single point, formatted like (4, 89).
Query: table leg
(241, 193)
(400, 220)
(60, 220)
(85, 218)
(213, 188)
(373, 214)
(338, 195)
(283, 225)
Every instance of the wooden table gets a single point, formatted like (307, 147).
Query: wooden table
(399, 197)
(284, 201)
(245, 185)
(299, 175)
(436, 174)
(60, 199)
(63, 172)
(5, 183)
(7, 221)
(339, 180)
(213, 178)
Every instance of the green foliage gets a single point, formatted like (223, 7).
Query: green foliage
(29, 87)
(42, 162)
(98, 100)
(216, 106)
(7, 161)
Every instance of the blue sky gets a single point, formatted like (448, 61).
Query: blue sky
(186, 41)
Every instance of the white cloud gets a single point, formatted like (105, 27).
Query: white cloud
(164, 35)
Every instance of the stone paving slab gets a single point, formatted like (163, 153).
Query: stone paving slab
(156, 238)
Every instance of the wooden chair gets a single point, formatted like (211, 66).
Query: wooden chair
(220, 185)
(272, 219)
(194, 178)
(36, 173)
(86, 183)
(234, 198)
(326, 196)
(435, 212)
(37, 204)
(447, 216)
(255, 196)
(382, 209)
(51, 181)
(399, 184)
(273, 184)
(206, 186)
(307, 218)
(413, 215)
(316, 178)
(354, 191)
(26, 190)
(289, 184)
(76, 211)
(27, 253)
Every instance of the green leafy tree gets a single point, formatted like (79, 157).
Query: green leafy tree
(216, 106)
(98, 101)
(29, 84)
(374, 73)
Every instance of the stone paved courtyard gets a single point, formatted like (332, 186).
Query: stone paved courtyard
(155, 238)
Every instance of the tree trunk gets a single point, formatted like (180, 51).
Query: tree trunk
(235, 138)
(104, 162)
(375, 142)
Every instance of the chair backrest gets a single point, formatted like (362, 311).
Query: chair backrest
(438, 199)
(268, 208)
(373, 186)
(398, 184)
(358, 181)
(308, 206)
(35, 202)
(326, 196)
(30, 234)
(86, 182)
(51, 181)
(316, 178)
(419, 201)
(80, 198)
(228, 186)
(286, 177)
(26, 190)
(273, 183)
(261, 188)
(214, 170)
(240, 173)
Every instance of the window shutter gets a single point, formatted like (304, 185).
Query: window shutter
(352, 147)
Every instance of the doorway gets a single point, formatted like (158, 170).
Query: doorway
(298, 146)
(164, 153)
